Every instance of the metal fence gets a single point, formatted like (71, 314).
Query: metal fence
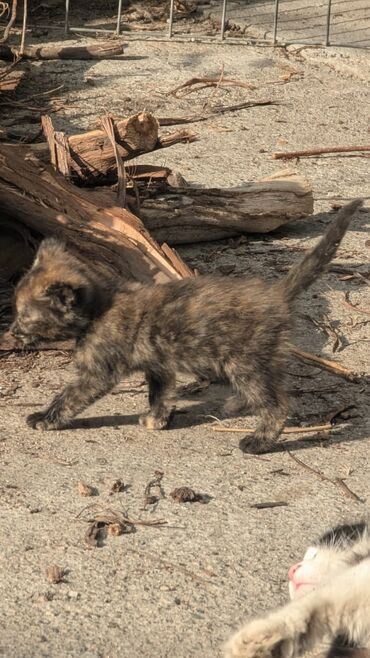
(223, 25)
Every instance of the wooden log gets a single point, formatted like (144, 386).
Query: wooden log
(183, 215)
(100, 50)
(114, 239)
(92, 158)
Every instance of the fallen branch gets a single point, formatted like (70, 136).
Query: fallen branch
(319, 151)
(337, 481)
(326, 364)
(100, 50)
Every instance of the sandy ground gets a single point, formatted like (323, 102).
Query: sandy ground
(181, 589)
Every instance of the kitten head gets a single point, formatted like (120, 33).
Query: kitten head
(56, 299)
(337, 549)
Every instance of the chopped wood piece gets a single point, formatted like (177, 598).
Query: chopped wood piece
(100, 50)
(92, 158)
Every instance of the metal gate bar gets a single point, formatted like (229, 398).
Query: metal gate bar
(68, 28)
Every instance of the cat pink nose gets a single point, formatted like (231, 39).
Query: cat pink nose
(292, 570)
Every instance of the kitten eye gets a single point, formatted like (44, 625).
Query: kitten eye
(311, 553)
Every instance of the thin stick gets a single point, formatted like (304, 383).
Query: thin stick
(326, 364)
(221, 109)
(320, 151)
(287, 430)
(24, 28)
(211, 82)
(337, 481)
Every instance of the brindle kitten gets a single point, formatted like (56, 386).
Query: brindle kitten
(230, 329)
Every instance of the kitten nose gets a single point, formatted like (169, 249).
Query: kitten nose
(292, 570)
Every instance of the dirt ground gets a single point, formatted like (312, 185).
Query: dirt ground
(180, 590)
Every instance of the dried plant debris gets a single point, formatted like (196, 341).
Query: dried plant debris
(117, 487)
(86, 490)
(153, 490)
(55, 574)
(104, 521)
(188, 495)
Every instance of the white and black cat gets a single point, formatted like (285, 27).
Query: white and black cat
(330, 592)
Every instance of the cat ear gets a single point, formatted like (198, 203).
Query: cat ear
(49, 249)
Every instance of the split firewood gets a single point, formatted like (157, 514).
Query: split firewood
(100, 50)
(182, 215)
(91, 156)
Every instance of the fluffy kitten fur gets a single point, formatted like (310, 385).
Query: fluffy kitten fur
(330, 589)
(235, 330)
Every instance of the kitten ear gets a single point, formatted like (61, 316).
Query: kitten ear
(50, 248)
(62, 295)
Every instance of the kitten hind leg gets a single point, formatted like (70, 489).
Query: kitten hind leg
(264, 395)
(161, 401)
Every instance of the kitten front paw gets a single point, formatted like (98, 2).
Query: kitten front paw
(261, 639)
(152, 422)
(42, 421)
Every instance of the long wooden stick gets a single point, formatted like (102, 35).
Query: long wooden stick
(326, 364)
(288, 155)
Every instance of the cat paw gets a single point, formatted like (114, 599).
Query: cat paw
(151, 422)
(253, 445)
(41, 421)
(261, 639)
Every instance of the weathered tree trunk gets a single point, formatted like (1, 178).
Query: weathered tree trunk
(102, 50)
(181, 215)
(91, 157)
(114, 238)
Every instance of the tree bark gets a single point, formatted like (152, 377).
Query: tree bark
(102, 50)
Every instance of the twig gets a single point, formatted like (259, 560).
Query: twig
(320, 151)
(326, 364)
(347, 302)
(337, 481)
(210, 82)
(24, 28)
(219, 109)
(286, 430)
(11, 22)
(278, 503)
